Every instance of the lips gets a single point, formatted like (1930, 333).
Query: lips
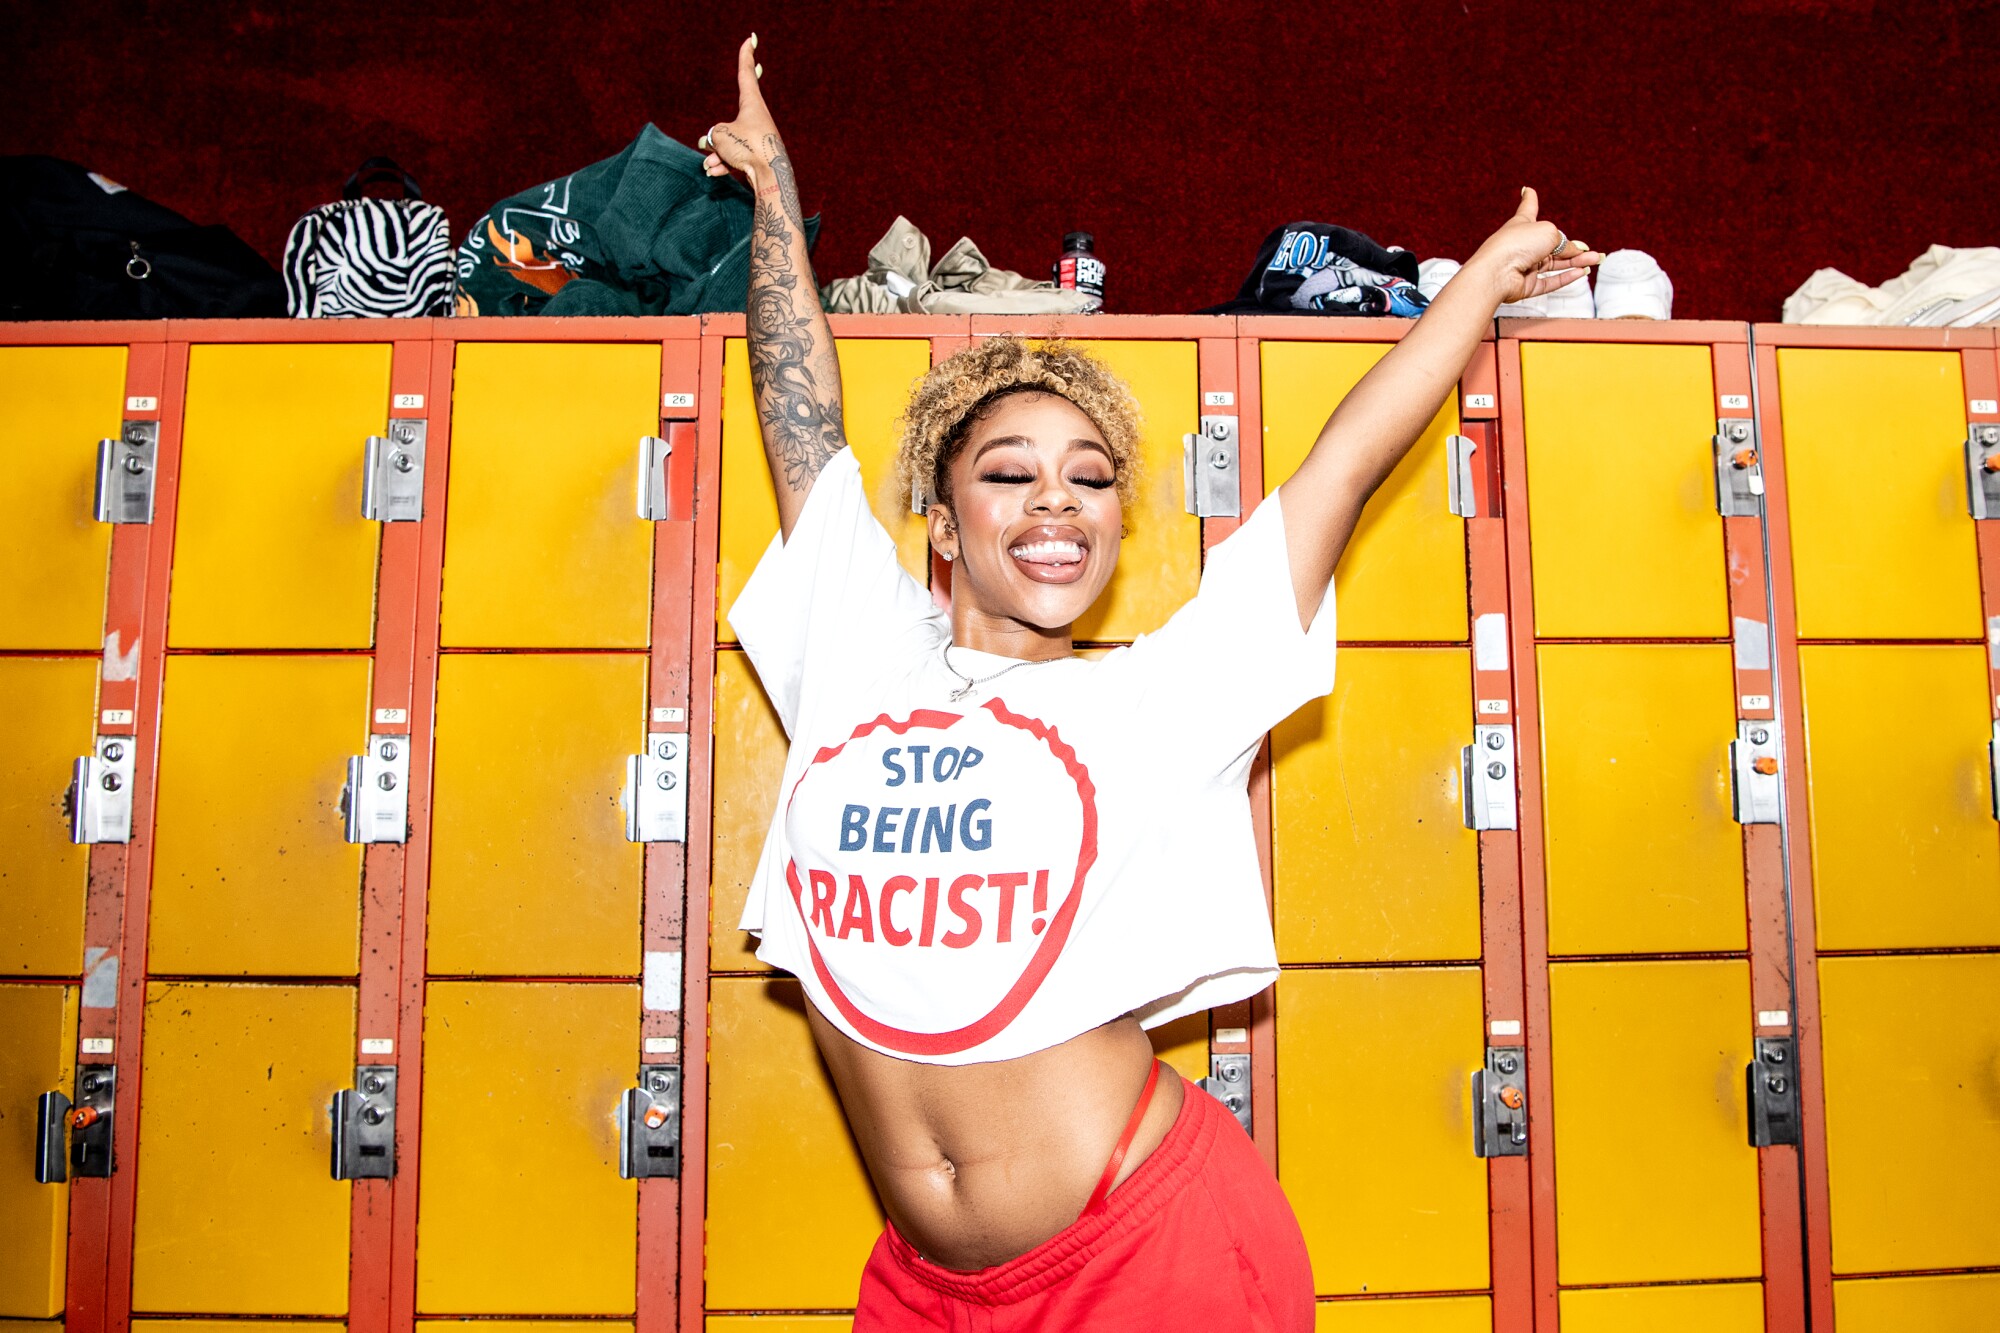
(1052, 553)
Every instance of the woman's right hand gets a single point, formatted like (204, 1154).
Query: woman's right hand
(749, 143)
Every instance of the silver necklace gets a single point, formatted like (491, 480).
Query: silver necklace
(971, 683)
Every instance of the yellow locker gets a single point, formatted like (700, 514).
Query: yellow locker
(777, 1323)
(1375, 1126)
(37, 1055)
(234, 1153)
(1905, 853)
(1403, 575)
(1622, 519)
(544, 546)
(1432, 1314)
(1182, 1045)
(1947, 1303)
(1371, 856)
(783, 1174)
(1643, 855)
(530, 871)
(1736, 1307)
(520, 1208)
(270, 548)
(45, 714)
(1655, 1178)
(1159, 563)
(56, 403)
(235, 1326)
(1912, 1052)
(252, 875)
(749, 768)
(1882, 543)
(876, 376)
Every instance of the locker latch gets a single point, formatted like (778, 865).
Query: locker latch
(1486, 777)
(1739, 469)
(392, 472)
(1228, 1082)
(125, 470)
(655, 454)
(1460, 496)
(86, 1122)
(1773, 1092)
(1753, 766)
(375, 803)
(1210, 470)
(1500, 1093)
(364, 1125)
(99, 799)
(649, 1125)
(1982, 470)
(655, 796)
(1993, 770)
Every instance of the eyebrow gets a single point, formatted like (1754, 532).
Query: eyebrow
(1001, 441)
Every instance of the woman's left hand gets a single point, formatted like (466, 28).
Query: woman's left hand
(1528, 257)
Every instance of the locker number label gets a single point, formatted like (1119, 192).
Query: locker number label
(96, 1046)
(117, 717)
(1755, 702)
(142, 404)
(390, 717)
(1985, 407)
(1479, 402)
(1219, 398)
(408, 402)
(1492, 706)
(676, 400)
(1736, 402)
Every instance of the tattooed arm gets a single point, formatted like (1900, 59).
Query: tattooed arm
(793, 368)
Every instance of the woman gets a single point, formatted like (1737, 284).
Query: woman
(995, 863)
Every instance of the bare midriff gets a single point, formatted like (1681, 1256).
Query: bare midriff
(978, 1164)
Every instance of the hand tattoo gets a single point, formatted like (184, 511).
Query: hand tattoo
(794, 372)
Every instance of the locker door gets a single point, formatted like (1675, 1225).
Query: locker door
(270, 548)
(37, 1055)
(1724, 1308)
(45, 713)
(251, 873)
(876, 376)
(1627, 540)
(784, 1177)
(749, 761)
(235, 1145)
(1655, 1178)
(1403, 574)
(1643, 855)
(1434, 1314)
(1874, 470)
(1375, 1129)
(1950, 1303)
(56, 403)
(1912, 1050)
(520, 1208)
(1904, 849)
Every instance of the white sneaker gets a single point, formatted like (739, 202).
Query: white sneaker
(1632, 285)
(1433, 274)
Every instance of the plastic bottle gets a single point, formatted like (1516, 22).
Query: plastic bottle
(1080, 269)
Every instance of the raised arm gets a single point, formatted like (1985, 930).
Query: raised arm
(793, 368)
(1377, 422)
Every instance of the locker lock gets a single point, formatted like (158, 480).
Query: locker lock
(1500, 1101)
(1982, 470)
(86, 1123)
(392, 472)
(1739, 471)
(1228, 1082)
(1460, 495)
(1486, 778)
(125, 470)
(655, 796)
(375, 802)
(364, 1125)
(1211, 485)
(649, 1125)
(1755, 795)
(1773, 1092)
(99, 799)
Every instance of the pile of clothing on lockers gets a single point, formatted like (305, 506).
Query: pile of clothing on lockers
(648, 232)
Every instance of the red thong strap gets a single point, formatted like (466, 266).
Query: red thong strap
(1104, 1182)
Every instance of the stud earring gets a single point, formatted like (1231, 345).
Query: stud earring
(947, 556)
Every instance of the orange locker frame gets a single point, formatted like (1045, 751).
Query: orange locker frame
(1763, 850)
(1980, 371)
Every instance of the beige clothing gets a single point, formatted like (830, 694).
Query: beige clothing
(1944, 287)
(901, 279)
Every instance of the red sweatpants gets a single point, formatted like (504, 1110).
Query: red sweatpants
(1199, 1237)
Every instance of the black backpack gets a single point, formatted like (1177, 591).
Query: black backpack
(80, 246)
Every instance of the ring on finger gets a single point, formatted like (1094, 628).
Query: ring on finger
(1561, 245)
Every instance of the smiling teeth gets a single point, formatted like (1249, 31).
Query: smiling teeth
(1047, 550)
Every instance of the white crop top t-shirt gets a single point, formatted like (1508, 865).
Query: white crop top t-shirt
(955, 882)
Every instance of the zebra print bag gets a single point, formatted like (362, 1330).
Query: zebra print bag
(370, 258)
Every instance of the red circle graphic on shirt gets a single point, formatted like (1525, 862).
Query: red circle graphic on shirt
(995, 1020)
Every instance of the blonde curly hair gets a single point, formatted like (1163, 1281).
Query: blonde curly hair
(948, 401)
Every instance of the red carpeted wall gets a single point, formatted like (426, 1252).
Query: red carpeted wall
(1743, 143)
